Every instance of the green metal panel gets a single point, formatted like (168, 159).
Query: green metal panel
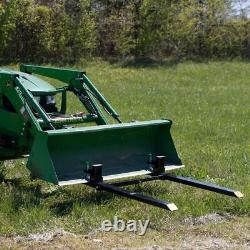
(5, 71)
(36, 85)
(7, 153)
(64, 75)
(32, 83)
(40, 163)
(63, 155)
(12, 125)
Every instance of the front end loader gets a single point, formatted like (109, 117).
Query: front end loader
(63, 149)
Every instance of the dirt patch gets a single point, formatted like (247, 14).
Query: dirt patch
(213, 218)
(46, 236)
(211, 232)
(208, 242)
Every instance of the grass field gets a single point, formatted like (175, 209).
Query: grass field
(209, 104)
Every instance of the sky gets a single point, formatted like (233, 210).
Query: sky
(242, 4)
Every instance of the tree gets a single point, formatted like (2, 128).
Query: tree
(82, 38)
(114, 27)
(24, 30)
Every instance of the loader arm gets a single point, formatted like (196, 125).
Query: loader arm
(78, 82)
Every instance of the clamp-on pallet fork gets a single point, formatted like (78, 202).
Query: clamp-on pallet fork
(97, 182)
(61, 152)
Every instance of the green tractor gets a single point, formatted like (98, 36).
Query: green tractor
(61, 147)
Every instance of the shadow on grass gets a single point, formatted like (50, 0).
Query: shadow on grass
(19, 195)
(61, 201)
(126, 62)
(143, 62)
(101, 197)
(169, 62)
(65, 207)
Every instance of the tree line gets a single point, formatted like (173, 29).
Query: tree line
(68, 30)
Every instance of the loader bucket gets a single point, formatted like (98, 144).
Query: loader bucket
(63, 156)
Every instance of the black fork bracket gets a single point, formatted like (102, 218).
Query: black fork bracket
(185, 181)
(133, 195)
